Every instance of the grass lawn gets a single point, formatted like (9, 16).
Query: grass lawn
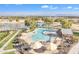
(9, 53)
(76, 36)
(1, 44)
(3, 35)
(10, 46)
(76, 33)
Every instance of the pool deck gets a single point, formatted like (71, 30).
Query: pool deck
(27, 37)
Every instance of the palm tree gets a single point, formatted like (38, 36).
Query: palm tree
(27, 22)
(67, 24)
(0, 18)
(17, 18)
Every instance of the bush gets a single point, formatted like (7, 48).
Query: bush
(75, 39)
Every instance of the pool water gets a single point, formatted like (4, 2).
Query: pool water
(38, 35)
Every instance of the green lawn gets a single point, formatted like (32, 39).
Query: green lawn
(76, 36)
(3, 35)
(1, 44)
(10, 45)
(9, 53)
(76, 33)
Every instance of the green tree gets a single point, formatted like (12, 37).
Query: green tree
(65, 23)
(27, 22)
(16, 18)
(59, 20)
(33, 26)
(47, 20)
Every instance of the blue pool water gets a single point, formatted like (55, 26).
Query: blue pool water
(38, 35)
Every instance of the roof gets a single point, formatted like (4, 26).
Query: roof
(56, 24)
(67, 31)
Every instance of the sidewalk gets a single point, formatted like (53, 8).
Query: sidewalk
(6, 44)
(6, 37)
(4, 51)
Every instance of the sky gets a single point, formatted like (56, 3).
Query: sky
(38, 9)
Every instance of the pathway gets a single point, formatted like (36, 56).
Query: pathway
(4, 51)
(6, 37)
(6, 44)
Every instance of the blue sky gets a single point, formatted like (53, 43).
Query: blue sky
(38, 8)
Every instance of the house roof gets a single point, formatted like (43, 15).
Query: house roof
(56, 24)
(67, 31)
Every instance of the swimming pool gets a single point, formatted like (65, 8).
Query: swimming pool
(38, 35)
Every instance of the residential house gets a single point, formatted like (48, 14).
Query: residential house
(56, 25)
(13, 25)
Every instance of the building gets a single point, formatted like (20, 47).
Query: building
(12, 25)
(56, 25)
(67, 34)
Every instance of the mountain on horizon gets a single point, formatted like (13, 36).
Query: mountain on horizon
(39, 13)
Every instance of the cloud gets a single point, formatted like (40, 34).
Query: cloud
(51, 7)
(69, 7)
(76, 8)
(18, 4)
(45, 6)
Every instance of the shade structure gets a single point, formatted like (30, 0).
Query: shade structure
(37, 45)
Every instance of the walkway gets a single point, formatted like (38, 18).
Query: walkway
(4, 51)
(6, 44)
(6, 37)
